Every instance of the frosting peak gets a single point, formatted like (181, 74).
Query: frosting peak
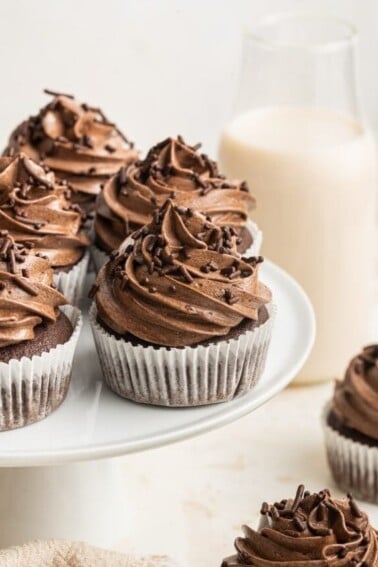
(179, 281)
(27, 295)
(311, 529)
(35, 209)
(172, 169)
(355, 400)
(77, 142)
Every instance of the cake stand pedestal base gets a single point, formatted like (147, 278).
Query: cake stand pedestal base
(78, 501)
(51, 495)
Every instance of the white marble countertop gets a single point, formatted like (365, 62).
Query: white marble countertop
(189, 500)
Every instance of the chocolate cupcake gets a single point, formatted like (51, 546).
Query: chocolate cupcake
(38, 213)
(37, 337)
(172, 169)
(351, 427)
(77, 142)
(179, 318)
(310, 530)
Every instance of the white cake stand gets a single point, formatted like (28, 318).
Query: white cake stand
(46, 487)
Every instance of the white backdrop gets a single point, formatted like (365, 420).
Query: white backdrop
(157, 67)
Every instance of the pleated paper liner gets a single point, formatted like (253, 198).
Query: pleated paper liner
(354, 465)
(71, 283)
(257, 235)
(99, 257)
(32, 388)
(183, 377)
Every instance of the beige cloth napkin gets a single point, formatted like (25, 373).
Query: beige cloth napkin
(59, 553)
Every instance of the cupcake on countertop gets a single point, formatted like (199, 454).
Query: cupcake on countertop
(180, 283)
(172, 169)
(351, 427)
(311, 529)
(38, 212)
(37, 339)
(77, 142)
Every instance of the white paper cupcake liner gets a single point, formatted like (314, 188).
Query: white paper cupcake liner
(99, 257)
(71, 283)
(177, 377)
(257, 235)
(32, 388)
(354, 465)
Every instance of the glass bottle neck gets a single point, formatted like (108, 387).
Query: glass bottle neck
(300, 61)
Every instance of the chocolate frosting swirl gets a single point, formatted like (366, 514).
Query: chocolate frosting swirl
(355, 400)
(77, 142)
(311, 530)
(171, 169)
(27, 297)
(179, 282)
(35, 209)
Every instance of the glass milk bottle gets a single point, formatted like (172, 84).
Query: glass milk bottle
(299, 140)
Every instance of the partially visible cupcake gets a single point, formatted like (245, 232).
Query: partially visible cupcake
(38, 337)
(310, 530)
(172, 169)
(77, 142)
(179, 318)
(38, 213)
(351, 427)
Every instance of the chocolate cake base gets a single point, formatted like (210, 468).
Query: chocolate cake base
(101, 246)
(336, 424)
(86, 201)
(47, 337)
(244, 326)
(184, 377)
(66, 269)
(246, 242)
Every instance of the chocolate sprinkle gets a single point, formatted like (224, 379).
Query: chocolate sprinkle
(56, 93)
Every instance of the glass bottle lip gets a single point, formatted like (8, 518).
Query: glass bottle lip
(265, 33)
